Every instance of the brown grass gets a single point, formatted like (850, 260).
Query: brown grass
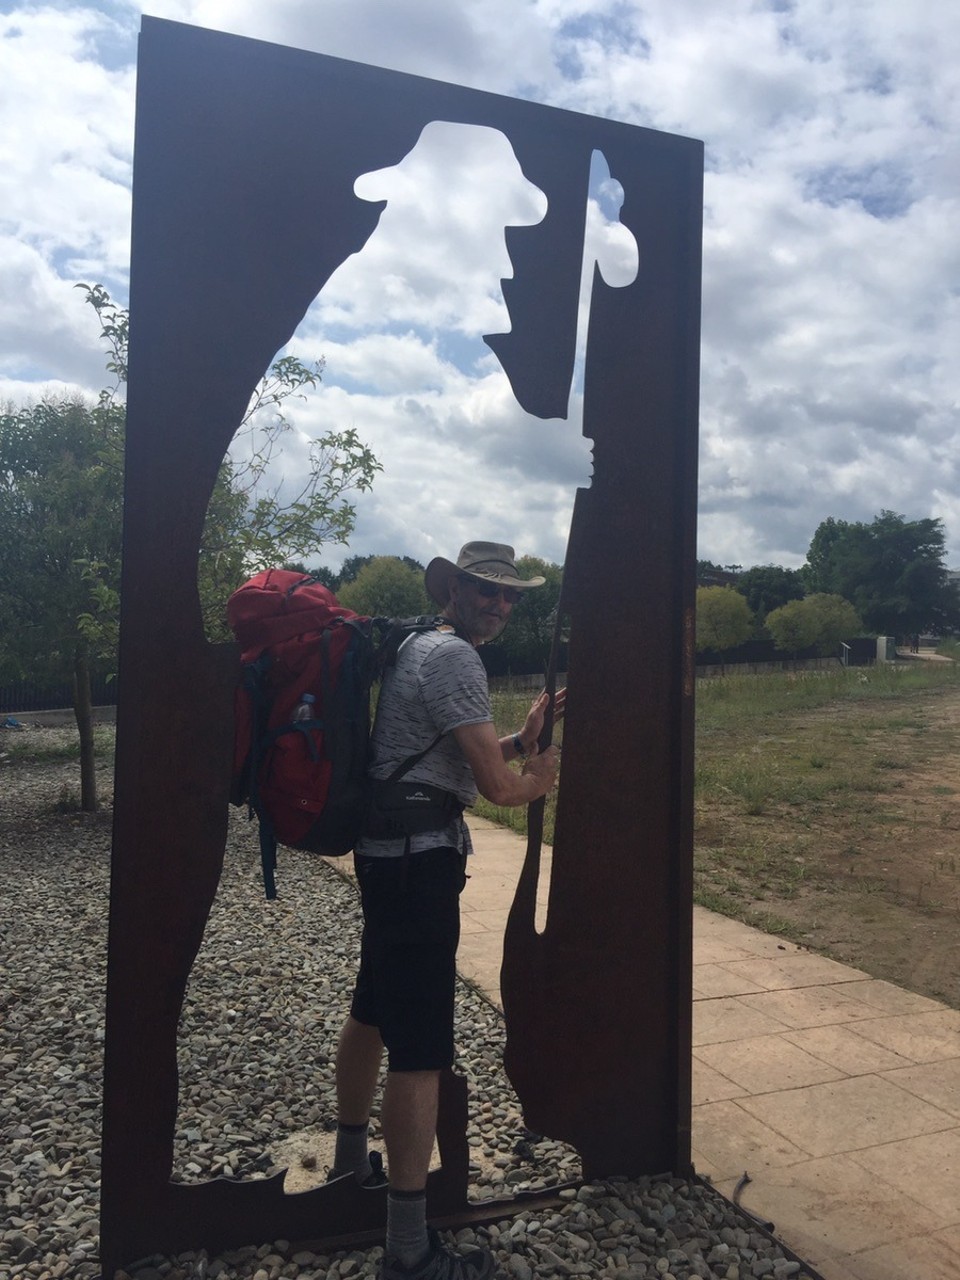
(828, 810)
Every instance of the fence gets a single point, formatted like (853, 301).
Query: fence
(28, 696)
(763, 655)
(522, 684)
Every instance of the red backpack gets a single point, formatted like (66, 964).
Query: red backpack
(305, 778)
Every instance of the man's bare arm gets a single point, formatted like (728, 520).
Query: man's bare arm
(495, 782)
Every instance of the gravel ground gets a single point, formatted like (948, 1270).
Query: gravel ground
(258, 1034)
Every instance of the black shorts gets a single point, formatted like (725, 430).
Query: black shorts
(411, 930)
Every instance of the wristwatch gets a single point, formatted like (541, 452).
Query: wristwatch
(519, 747)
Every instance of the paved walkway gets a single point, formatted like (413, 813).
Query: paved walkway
(838, 1094)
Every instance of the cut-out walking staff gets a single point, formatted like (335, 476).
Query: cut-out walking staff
(595, 1006)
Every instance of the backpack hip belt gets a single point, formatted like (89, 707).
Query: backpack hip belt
(397, 809)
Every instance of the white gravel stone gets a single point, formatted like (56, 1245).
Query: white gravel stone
(257, 1042)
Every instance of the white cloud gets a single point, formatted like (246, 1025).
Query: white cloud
(68, 140)
(46, 329)
(386, 362)
(489, 44)
(459, 459)
(438, 253)
(831, 254)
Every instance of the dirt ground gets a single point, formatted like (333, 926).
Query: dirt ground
(870, 875)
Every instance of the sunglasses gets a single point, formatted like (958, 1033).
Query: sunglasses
(489, 590)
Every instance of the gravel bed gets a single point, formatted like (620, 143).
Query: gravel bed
(258, 1034)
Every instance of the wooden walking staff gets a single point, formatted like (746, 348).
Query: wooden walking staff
(524, 907)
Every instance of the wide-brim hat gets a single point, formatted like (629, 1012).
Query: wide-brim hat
(487, 561)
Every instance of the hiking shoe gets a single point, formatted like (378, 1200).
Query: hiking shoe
(375, 1179)
(443, 1262)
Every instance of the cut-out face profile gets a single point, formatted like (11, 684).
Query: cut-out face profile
(430, 274)
(438, 254)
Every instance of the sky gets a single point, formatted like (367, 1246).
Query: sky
(831, 251)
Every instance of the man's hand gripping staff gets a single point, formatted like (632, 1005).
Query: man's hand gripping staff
(543, 758)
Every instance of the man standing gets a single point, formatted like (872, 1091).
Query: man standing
(434, 701)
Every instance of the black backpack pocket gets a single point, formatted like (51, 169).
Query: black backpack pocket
(404, 808)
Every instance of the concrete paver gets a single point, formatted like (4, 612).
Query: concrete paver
(717, 980)
(735, 1142)
(922, 1257)
(712, 1086)
(917, 1037)
(729, 1018)
(936, 1082)
(844, 1049)
(887, 998)
(846, 1115)
(804, 1007)
(763, 1064)
(838, 1093)
(927, 1164)
(788, 972)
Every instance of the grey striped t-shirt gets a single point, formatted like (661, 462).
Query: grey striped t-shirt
(437, 684)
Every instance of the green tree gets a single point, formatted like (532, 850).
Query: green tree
(768, 586)
(352, 565)
(724, 619)
(386, 587)
(836, 620)
(819, 621)
(322, 574)
(819, 571)
(791, 626)
(351, 568)
(527, 640)
(246, 531)
(892, 571)
(61, 477)
(252, 524)
(61, 484)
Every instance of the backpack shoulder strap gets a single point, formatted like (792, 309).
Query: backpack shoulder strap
(406, 765)
(399, 630)
(394, 631)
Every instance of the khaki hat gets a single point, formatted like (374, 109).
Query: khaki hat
(488, 561)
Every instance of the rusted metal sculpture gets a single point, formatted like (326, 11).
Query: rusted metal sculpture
(598, 1007)
(246, 156)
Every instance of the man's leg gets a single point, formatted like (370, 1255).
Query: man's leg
(412, 918)
(409, 1119)
(409, 1129)
(410, 1126)
(358, 1067)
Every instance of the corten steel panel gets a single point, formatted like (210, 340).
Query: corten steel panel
(245, 160)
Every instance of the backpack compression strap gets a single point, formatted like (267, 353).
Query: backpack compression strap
(253, 679)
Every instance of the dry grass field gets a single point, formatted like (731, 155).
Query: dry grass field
(828, 811)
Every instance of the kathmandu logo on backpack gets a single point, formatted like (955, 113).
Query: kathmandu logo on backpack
(302, 711)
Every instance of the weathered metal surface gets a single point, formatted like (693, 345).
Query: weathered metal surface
(598, 1007)
(245, 160)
